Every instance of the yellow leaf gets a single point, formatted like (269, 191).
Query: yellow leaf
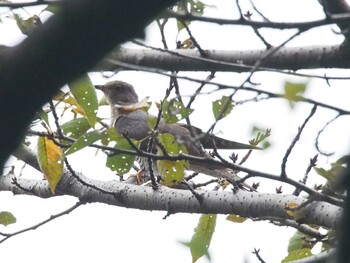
(50, 158)
(75, 106)
(293, 210)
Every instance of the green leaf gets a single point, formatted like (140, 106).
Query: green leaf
(53, 8)
(202, 236)
(299, 247)
(236, 218)
(260, 137)
(50, 158)
(297, 254)
(293, 91)
(171, 171)
(85, 140)
(222, 107)
(189, 6)
(44, 116)
(121, 163)
(174, 111)
(76, 127)
(7, 218)
(151, 121)
(27, 25)
(337, 167)
(299, 241)
(84, 92)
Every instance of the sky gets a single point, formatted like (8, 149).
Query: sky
(99, 232)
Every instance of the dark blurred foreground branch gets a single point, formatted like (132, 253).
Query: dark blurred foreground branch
(66, 46)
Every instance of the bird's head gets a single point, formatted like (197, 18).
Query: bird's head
(118, 93)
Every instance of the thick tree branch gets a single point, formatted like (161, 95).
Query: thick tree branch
(66, 46)
(251, 173)
(176, 201)
(286, 58)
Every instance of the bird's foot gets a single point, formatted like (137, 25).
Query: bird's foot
(137, 178)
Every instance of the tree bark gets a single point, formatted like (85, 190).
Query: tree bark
(286, 58)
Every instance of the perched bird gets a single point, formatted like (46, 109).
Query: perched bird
(128, 118)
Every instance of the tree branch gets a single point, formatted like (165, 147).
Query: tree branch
(51, 218)
(176, 201)
(337, 17)
(286, 58)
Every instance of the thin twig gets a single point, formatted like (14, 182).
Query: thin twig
(296, 138)
(51, 218)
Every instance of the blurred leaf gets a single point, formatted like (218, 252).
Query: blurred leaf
(222, 107)
(171, 171)
(60, 95)
(328, 174)
(44, 116)
(202, 236)
(50, 159)
(174, 111)
(299, 241)
(186, 44)
(7, 218)
(103, 101)
(337, 167)
(85, 140)
(75, 107)
(261, 137)
(299, 247)
(151, 121)
(75, 128)
(293, 91)
(27, 25)
(236, 218)
(297, 254)
(53, 8)
(333, 187)
(293, 210)
(85, 94)
(121, 163)
(189, 6)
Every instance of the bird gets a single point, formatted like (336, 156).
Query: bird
(129, 119)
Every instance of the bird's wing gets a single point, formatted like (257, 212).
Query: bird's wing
(133, 125)
(183, 136)
(210, 141)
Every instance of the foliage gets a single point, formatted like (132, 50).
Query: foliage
(174, 111)
(7, 218)
(50, 159)
(172, 172)
(202, 236)
(72, 124)
(222, 107)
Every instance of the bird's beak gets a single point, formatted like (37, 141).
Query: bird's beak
(100, 87)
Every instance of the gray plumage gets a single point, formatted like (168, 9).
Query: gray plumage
(134, 124)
